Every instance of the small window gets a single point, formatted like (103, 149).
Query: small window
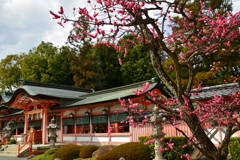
(68, 121)
(85, 120)
(83, 124)
(118, 117)
(100, 123)
(115, 120)
(68, 125)
(100, 119)
(37, 125)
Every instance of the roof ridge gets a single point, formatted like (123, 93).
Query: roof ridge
(118, 88)
(216, 86)
(50, 85)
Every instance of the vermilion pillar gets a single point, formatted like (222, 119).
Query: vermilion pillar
(44, 125)
(26, 123)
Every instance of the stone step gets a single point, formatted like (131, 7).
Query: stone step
(10, 149)
(9, 152)
(8, 155)
(12, 146)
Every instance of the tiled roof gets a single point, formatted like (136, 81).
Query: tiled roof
(118, 92)
(52, 90)
(14, 113)
(50, 85)
(6, 96)
(46, 90)
(220, 90)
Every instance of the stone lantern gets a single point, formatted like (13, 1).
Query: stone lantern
(52, 127)
(157, 133)
(8, 131)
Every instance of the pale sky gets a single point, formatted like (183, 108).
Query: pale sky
(25, 23)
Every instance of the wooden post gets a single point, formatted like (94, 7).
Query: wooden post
(44, 125)
(26, 123)
(91, 126)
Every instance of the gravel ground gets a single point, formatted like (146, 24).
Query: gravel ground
(12, 158)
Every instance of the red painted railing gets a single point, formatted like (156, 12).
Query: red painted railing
(4, 141)
(28, 138)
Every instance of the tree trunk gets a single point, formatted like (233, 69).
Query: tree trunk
(206, 146)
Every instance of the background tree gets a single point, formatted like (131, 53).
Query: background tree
(10, 72)
(136, 65)
(150, 20)
(92, 66)
(205, 71)
(86, 68)
(47, 63)
(110, 66)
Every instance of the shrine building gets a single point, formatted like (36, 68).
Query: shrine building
(83, 115)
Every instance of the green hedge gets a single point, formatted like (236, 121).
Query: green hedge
(86, 152)
(130, 151)
(12, 141)
(103, 149)
(67, 152)
(50, 151)
(170, 154)
(234, 148)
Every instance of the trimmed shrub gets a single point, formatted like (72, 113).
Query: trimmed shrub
(130, 151)
(51, 151)
(12, 141)
(178, 142)
(103, 149)
(234, 148)
(67, 152)
(86, 152)
(36, 152)
(40, 157)
(145, 139)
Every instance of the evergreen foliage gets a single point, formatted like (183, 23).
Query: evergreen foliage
(175, 153)
(51, 151)
(130, 151)
(86, 151)
(67, 152)
(47, 63)
(10, 72)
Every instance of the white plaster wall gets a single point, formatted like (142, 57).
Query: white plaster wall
(15, 119)
(83, 139)
(66, 113)
(64, 129)
(140, 106)
(82, 111)
(21, 118)
(68, 138)
(216, 136)
(116, 107)
(120, 139)
(99, 109)
(151, 106)
(100, 139)
(19, 138)
(37, 116)
(235, 134)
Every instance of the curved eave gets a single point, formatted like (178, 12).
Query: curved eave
(35, 95)
(219, 90)
(14, 114)
(12, 99)
(114, 93)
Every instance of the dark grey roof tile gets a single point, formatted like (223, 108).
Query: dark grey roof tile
(219, 90)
